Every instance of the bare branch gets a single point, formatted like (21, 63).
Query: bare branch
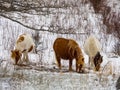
(51, 29)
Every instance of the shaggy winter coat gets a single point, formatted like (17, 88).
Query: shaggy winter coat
(92, 48)
(68, 49)
(23, 45)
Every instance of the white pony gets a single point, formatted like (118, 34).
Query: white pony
(23, 45)
(92, 48)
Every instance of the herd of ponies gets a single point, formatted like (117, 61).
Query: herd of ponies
(65, 49)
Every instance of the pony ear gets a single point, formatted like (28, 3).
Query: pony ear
(83, 59)
(101, 58)
(11, 51)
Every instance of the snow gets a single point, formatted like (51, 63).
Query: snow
(48, 76)
(43, 73)
(52, 80)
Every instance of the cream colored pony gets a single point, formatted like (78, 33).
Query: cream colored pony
(23, 45)
(92, 48)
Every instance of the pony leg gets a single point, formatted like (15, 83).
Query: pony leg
(76, 67)
(70, 65)
(19, 62)
(26, 57)
(91, 63)
(58, 62)
(22, 59)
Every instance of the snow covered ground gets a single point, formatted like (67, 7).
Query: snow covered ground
(49, 77)
(43, 74)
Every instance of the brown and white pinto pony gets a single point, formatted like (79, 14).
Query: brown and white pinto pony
(23, 45)
(92, 48)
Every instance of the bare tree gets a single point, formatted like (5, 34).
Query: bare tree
(23, 8)
(111, 15)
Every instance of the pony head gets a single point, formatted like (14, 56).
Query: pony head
(98, 59)
(16, 55)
